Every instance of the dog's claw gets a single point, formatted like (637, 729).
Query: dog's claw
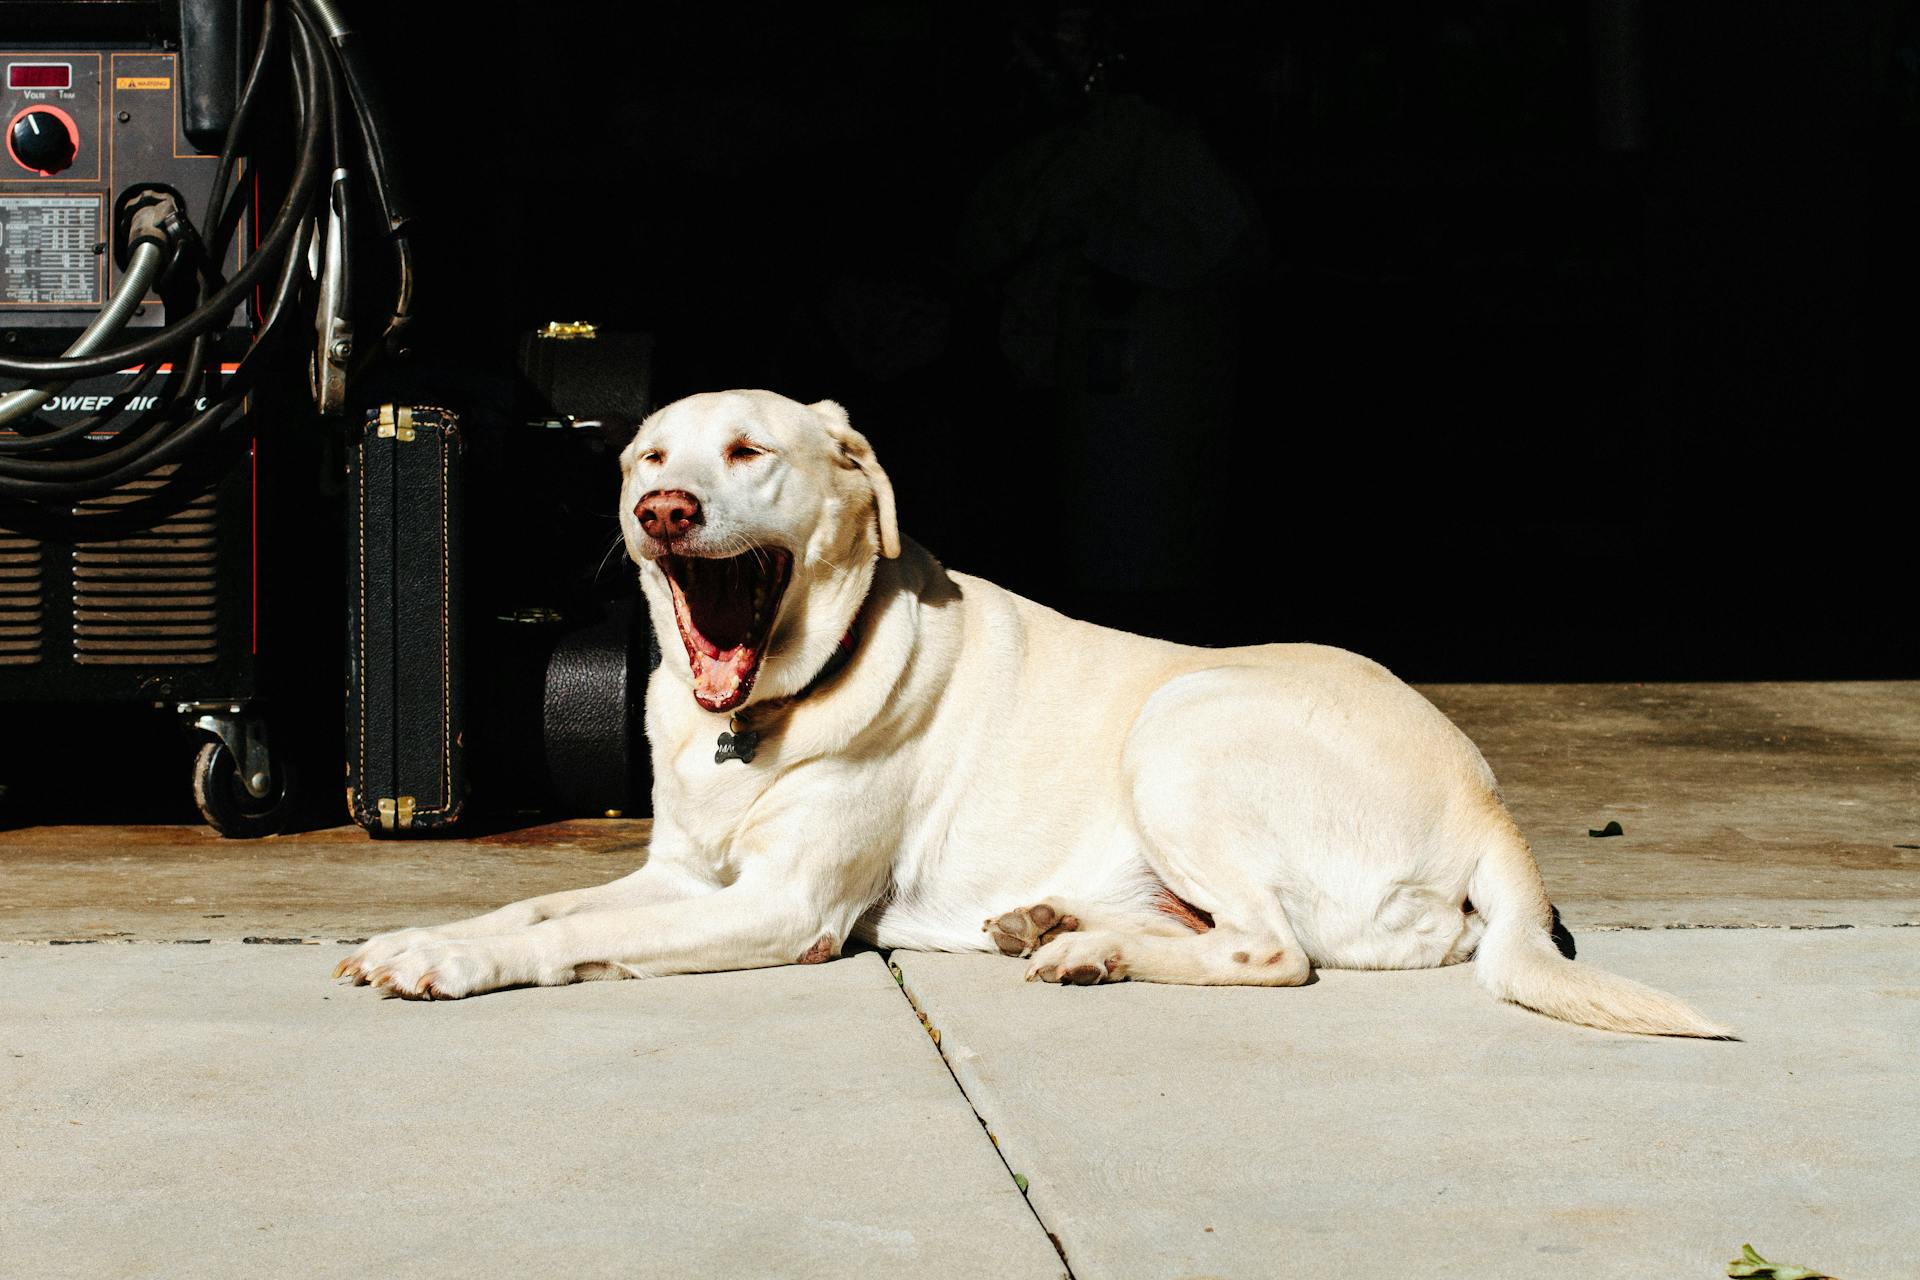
(349, 968)
(443, 969)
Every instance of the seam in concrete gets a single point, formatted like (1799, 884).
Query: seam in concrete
(249, 941)
(1019, 1181)
(1645, 928)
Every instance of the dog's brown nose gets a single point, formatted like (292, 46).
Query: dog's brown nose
(667, 514)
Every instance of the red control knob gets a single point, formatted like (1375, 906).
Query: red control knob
(43, 139)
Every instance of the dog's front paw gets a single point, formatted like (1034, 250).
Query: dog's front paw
(1079, 959)
(444, 969)
(378, 950)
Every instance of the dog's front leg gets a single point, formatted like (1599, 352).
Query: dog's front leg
(753, 923)
(663, 878)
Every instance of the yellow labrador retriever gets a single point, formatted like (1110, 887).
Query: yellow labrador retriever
(858, 743)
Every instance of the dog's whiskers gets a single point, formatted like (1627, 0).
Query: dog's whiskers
(617, 543)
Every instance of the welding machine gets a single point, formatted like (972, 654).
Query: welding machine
(175, 198)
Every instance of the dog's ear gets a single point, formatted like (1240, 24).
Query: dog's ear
(858, 454)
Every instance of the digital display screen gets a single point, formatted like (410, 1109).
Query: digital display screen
(39, 75)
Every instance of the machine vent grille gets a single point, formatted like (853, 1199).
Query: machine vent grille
(22, 603)
(148, 597)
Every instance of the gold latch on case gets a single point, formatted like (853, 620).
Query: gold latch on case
(396, 813)
(563, 330)
(395, 423)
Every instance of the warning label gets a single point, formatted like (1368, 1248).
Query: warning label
(46, 249)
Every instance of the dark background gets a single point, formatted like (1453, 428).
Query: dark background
(1498, 340)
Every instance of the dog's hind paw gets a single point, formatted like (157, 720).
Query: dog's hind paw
(1022, 932)
(1080, 960)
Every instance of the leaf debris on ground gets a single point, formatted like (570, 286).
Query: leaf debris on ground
(1751, 1265)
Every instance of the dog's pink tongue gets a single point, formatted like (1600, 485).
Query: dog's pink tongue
(717, 679)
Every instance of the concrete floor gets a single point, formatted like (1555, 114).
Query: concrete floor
(174, 1108)
(1376, 1123)
(216, 1111)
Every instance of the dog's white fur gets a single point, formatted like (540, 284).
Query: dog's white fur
(983, 757)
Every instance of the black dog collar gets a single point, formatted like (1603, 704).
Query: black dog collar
(736, 743)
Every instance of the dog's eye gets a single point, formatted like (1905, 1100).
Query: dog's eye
(741, 451)
(654, 456)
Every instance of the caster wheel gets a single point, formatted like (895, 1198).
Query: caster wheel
(227, 805)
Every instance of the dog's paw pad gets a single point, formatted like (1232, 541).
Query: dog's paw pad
(1079, 961)
(1026, 930)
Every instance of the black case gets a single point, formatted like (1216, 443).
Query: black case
(593, 715)
(406, 770)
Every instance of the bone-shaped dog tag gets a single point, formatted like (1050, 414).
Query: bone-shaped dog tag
(736, 746)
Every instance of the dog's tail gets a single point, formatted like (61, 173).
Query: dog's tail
(1518, 961)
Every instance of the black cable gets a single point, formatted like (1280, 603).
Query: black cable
(159, 434)
(309, 175)
(83, 426)
(290, 272)
(363, 92)
(242, 117)
(133, 451)
(181, 440)
(131, 443)
(292, 264)
(327, 76)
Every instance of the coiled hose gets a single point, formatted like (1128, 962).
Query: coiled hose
(63, 464)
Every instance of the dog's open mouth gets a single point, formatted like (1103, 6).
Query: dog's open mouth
(725, 609)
